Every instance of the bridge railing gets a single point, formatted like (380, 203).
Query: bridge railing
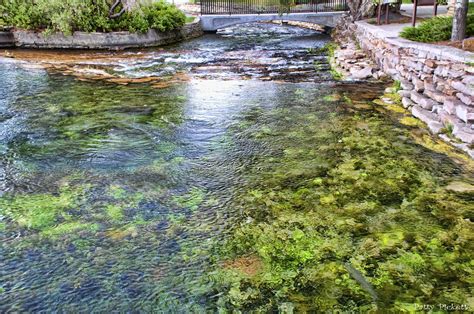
(209, 7)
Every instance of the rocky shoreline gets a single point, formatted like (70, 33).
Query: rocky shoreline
(436, 83)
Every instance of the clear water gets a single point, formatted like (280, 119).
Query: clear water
(131, 197)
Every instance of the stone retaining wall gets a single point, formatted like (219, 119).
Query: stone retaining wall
(6, 39)
(110, 41)
(437, 81)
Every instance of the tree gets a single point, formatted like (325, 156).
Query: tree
(358, 9)
(126, 5)
(459, 20)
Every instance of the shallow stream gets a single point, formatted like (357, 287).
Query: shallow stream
(227, 172)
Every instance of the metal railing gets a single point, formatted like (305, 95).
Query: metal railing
(209, 7)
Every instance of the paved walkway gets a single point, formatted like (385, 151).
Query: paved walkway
(407, 9)
(392, 30)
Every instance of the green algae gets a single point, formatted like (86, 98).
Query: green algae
(41, 211)
(411, 121)
(68, 228)
(191, 200)
(310, 187)
(115, 212)
(370, 200)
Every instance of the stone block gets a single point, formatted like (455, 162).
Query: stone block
(435, 95)
(430, 63)
(362, 73)
(404, 93)
(468, 80)
(465, 113)
(428, 70)
(450, 104)
(441, 71)
(418, 84)
(455, 74)
(428, 85)
(431, 119)
(462, 88)
(406, 85)
(406, 102)
(465, 99)
(423, 101)
(463, 133)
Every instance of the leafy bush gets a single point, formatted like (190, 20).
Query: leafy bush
(67, 16)
(163, 16)
(435, 29)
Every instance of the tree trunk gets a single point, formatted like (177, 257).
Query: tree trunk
(130, 4)
(123, 6)
(459, 20)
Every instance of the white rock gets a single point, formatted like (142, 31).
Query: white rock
(363, 73)
(423, 101)
(465, 113)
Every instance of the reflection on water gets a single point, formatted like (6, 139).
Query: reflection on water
(131, 197)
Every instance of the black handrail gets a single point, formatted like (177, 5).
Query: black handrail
(209, 7)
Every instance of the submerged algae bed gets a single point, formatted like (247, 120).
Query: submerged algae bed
(349, 212)
(253, 196)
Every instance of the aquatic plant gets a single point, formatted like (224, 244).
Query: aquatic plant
(368, 227)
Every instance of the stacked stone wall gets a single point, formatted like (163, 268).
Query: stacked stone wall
(437, 81)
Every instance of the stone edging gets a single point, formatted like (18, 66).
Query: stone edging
(107, 41)
(437, 82)
(432, 51)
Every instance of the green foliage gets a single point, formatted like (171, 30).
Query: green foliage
(67, 16)
(435, 29)
(397, 86)
(190, 19)
(329, 49)
(163, 17)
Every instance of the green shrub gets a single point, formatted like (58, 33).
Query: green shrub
(163, 16)
(67, 16)
(435, 29)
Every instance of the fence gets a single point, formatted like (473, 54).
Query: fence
(209, 7)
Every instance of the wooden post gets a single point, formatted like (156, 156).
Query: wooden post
(413, 17)
(379, 11)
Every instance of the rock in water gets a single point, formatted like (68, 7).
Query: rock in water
(460, 187)
(363, 73)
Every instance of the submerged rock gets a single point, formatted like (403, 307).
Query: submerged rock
(460, 187)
